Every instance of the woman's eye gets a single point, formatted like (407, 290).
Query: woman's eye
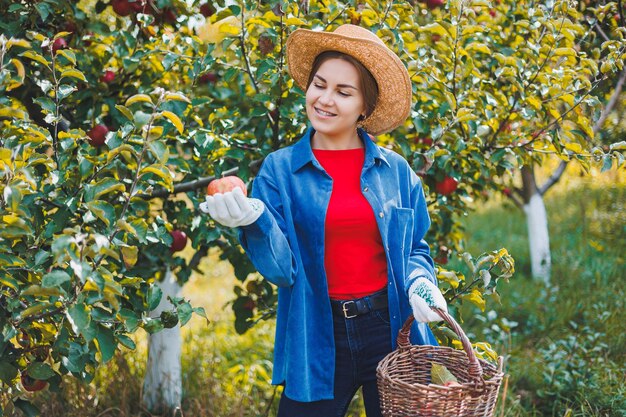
(344, 94)
(318, 85)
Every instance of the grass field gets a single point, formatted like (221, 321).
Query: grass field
(564, 344)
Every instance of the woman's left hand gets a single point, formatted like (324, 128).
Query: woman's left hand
(422, 295)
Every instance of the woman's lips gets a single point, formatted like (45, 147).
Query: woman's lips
(323, 113)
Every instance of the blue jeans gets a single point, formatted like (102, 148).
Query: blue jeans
(360, 343)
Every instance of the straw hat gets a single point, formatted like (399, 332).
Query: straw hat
(394, 86)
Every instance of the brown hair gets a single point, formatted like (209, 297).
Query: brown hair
(369, 86)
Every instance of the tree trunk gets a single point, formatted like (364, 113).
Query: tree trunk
(162, 389)
(537, 223)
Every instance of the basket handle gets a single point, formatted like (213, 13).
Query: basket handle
(475, 370)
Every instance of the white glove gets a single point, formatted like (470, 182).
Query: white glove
(232, 209)
(422, 295)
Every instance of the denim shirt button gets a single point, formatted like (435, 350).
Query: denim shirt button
(366, 189)
(381, 215)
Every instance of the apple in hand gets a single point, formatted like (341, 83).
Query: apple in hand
(97, 135)
(179, 240)
(226, 184)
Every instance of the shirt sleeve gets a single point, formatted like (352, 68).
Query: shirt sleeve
(265, 241)
(420, 262)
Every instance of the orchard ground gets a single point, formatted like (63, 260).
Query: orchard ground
(563, 345)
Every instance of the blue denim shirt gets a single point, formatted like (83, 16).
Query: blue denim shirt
(286, 245)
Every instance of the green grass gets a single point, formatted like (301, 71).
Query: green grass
(564, 345)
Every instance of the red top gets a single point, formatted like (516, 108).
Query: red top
(355, 260)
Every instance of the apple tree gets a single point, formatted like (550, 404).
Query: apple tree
(116, 115)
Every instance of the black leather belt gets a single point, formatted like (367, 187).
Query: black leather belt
(358, 306)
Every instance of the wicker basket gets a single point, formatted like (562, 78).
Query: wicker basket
(404, 377)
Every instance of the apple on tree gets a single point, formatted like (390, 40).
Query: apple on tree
(179, 240)
(108, 76)
(122, 7)
(446, 186)
(32, 384)
(97, 135)
(59, 43)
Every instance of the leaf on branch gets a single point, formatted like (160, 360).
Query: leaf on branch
(73, 73)
(139, 98)
(36, 57)
(172, 117)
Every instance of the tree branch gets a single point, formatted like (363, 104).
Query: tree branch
(195, 184)
(556, 175)
(611, 103)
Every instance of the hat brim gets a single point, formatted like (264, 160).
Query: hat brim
(394, 86)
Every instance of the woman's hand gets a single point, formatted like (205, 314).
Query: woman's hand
(422, 295)
(232, 209)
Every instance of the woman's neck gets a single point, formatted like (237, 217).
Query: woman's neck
(336, 143)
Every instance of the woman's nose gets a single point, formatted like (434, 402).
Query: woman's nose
(326, 97)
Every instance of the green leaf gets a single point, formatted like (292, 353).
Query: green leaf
(102, 210)
(7, 372)
(79, 315)
(124, 110)
(27, 408)
(40, 370)
(106, 343)
(126, 341)
(35, 57)
(46, 104)
(440, 375)
(154, 297)
(73, 73)
(55, 279)
(184, 312)
(106, 186)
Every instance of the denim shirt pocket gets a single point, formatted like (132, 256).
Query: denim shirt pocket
(400, 238)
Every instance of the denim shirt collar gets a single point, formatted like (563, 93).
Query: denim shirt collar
(303, 154)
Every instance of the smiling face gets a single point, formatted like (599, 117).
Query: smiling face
(334, 102)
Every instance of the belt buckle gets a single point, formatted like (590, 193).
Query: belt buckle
(344, 307)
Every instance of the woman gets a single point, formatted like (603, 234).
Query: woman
(337, 223)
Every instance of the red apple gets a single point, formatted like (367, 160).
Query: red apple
(108, 77)
(179, 240)
(169, 16)
(138, 5)
(507, 192)
(225, 184)
(122, 7)
(31, 384)
(435, 38)
(446, 186)
(97, 135)
(59, 43)
(442, 255)
(70, 26)
(209, 77)
(207, 10)
(426, 141)
(266, 45)
(492, 12)
(433, 4)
